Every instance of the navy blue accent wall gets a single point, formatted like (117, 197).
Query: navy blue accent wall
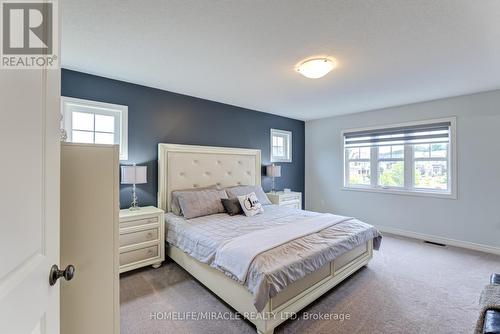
(158, 116)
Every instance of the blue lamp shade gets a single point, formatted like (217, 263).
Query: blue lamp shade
(134, 174)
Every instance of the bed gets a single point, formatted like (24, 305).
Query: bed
(279, 281)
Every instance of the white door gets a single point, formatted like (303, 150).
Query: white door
(29, 200)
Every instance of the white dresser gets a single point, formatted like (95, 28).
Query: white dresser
(288, 199)
(142, 238)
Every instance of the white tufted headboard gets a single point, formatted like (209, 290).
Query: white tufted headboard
(188, 166)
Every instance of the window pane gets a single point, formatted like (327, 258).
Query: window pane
(353, 153)
(431, 175)
(279, 151)
(391, 173)
(421, 150)
(104, 123)
(391, 152)
(384, 152)
(364, 152)
(104, 138)
(398, 152)
(439, 150)
(83, 121)
(82, 137)
(359, 173)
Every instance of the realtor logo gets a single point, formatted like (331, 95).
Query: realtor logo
(28, 35)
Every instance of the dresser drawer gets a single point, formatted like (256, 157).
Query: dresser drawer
(131, 238)
(139, 222)
(138, 255)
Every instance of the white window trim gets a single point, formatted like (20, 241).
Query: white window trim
(104, 108)
(288, 134)
(374, 188)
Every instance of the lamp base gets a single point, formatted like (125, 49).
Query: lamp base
(134, 206)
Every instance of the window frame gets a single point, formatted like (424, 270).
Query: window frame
(287, 135)
(119, 112)
(409, 160)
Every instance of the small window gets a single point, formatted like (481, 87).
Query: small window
(94, 122)
(412, 158)
(281, 146)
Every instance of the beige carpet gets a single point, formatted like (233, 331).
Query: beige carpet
(409, 287)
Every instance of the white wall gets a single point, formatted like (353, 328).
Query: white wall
(473, 217)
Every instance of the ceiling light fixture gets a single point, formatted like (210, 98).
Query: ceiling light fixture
(314, 68)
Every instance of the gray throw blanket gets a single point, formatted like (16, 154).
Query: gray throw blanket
(489, 300)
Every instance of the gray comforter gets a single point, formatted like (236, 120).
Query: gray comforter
(272, 270)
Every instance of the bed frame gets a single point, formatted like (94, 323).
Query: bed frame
(187, 166)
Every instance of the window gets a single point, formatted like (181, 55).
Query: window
(88, 121)
(281, 146)
(416, 158)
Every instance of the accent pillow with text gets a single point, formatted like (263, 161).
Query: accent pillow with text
(250, 204)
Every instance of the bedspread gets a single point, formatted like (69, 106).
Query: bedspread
(273, 270)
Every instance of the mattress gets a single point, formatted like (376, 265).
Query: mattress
(275, 269)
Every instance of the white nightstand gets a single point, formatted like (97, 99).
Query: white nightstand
(291, 199)
(142, 238)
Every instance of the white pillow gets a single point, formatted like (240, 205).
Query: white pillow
(250, 204)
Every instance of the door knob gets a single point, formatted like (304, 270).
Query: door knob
(56, 273)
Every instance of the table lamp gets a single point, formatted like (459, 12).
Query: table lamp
(134, 175)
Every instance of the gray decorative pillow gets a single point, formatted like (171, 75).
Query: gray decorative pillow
(174, 201)
(234, 192)
(232, 206)
(201, 203)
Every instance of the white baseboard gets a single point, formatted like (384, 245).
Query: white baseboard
(440, 240)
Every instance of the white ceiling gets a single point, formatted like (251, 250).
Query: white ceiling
(242, 52)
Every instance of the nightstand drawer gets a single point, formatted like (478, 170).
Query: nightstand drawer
(131, 238)
(142, 238)
(138, 255)
(290, 199)
(139, 222)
